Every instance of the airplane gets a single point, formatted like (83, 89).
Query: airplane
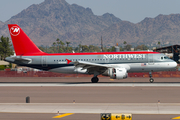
(116, 65)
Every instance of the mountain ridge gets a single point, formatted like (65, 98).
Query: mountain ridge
(53, 19)
(163, 28)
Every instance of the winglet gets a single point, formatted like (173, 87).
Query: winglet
(68, 61)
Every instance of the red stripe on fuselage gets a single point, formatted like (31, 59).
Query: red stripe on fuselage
(92, 53)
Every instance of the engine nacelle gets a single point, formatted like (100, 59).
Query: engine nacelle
(117, 73)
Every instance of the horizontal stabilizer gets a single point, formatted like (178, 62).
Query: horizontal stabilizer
(21, 59)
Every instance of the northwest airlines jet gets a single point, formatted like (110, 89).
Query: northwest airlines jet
(117, 65)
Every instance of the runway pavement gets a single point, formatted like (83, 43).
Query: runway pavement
(49, 95)
(111, 94)
(84, 80)
(133, 108)
(35, 116)
(89, 84)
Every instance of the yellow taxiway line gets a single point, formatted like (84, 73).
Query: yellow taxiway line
(176, 117)
(63, 115)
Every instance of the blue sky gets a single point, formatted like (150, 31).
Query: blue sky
(130, 10)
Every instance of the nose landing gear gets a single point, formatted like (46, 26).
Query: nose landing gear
(151, 80)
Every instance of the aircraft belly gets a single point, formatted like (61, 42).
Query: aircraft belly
(69, 69)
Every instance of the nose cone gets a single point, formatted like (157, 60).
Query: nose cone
(173, 65)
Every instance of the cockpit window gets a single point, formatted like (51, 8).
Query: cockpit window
(165, 57)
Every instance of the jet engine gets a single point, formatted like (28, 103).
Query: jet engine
(117, 73)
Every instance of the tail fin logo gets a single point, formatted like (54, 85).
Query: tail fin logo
(15, 30)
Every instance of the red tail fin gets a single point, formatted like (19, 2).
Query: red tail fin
(21, 42)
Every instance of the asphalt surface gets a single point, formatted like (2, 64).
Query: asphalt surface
(88, 94)
(110, 94)
(84, 80)
(18, 116)
(133, 108)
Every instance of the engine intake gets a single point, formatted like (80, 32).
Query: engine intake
(117, 73)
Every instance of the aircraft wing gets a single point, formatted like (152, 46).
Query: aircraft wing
(100, 68)
(91, 67)
(86, 65)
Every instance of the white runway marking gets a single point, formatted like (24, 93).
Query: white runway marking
(91, 84)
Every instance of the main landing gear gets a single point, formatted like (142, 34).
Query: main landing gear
(95, 79)
(151, 80)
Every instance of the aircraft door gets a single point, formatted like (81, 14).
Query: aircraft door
(44, 61)
(150, 59)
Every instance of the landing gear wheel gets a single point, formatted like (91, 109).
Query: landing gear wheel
(94, 79)
(151, 80)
